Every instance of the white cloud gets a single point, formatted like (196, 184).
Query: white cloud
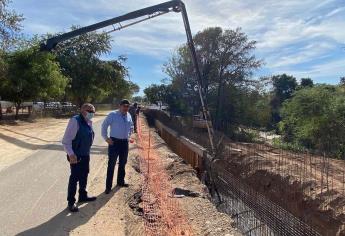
(289, 33)
(331, 71)
(143, 44)
(305, 54)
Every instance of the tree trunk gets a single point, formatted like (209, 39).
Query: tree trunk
(17, 111)
(219, 106)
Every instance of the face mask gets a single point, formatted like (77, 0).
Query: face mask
(89, 115)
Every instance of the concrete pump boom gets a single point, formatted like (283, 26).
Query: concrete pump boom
(150, 12)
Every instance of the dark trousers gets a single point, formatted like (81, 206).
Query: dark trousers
(79, 173)
(118, 149)
(134, 119)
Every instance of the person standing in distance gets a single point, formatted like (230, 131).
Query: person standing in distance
(133, 110)
(77, 142)
(121, 128)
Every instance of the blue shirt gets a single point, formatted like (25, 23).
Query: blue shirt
(121, 126)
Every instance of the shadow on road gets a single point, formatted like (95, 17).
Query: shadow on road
(64, 222)
(28, 136)
(96, 149)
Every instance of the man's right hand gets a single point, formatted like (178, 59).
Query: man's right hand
(73, 159)
(109, 141)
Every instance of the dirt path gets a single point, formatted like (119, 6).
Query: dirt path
(20, 139)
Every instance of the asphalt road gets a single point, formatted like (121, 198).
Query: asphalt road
(34, 190)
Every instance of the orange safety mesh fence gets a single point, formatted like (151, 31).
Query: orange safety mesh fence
(162, 213)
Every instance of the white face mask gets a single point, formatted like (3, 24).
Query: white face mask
(89, 115)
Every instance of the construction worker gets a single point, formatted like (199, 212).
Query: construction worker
(77, 142)
(133, 110)
(121, 128)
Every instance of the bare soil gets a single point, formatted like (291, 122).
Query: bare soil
(203, 216)
(299, 183)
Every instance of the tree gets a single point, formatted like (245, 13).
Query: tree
(155, 93)
(9, 25)
(226, 60)
(79, 60)
(9, 29)
(307, 82)
(315, 118)
(342, 81)
(168, 94)
(32, 75)
(92, 79)
(283, 88)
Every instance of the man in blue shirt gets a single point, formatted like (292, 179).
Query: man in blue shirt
(121, 128)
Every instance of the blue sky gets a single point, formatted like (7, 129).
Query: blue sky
(303, 38)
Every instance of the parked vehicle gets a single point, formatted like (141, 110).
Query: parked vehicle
(68, 106)
(53, 105)
(38, 106)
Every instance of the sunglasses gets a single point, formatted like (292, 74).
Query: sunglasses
(126, 106)
(90, 111)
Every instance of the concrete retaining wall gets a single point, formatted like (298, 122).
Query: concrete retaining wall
(190, 151)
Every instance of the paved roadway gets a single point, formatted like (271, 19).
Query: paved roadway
(33, 191)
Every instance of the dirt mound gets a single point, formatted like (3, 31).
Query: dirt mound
(193, 196)
(300, 198)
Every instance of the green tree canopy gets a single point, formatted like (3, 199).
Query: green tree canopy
(92, 79)
(315, 118)
(10, 28)
(9, 25)
(155, 93)
(283, 87)
(342, 81)
(32, 75)
(227, 62)
(307, 82)
(170, 95)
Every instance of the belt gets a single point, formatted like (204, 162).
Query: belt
(118, 139)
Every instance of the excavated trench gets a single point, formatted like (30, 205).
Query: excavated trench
(252, 211)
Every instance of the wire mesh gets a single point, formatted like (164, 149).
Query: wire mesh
(253, 213)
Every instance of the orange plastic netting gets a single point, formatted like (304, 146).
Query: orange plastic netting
(162, 213)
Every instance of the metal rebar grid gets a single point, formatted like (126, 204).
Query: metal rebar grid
(254, 214)
(318, 178)
(162, 213)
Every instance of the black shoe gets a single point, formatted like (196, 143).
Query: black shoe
(87, 199)
(124, 185)
(107, 191)
(73, 208)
